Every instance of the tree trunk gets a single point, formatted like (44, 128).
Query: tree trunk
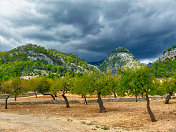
(66, 100)
(85, 100)
(168, 98)
(35, 94)
(136, 98)
(50, 95)
(100, 102)
(15, 96)
(6, 101)
(53, 97)
(149, 110)
(115, 95)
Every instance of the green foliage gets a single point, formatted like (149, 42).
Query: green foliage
(80, 84)
(100, 82)
(168, 85)
(137, 80)
(164, 52)
(163, 68)
(169, 49)
(114, 83)
(16, 62)
(60, 84)
(40, 84)
(105, 127)
(92, 82)
(120, 49)
(14, 86)
(23, 68)
(173, 46)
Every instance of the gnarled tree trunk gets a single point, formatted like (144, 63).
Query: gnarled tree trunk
(6, 98)
(15, 96)
(66, 100)
(149, 110)
(85, 100)
(136, 98)
(100, 102)
(168, 97)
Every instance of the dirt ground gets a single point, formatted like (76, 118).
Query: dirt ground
(28, 123)
(120, 116)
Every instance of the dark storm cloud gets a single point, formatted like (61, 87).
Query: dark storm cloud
(90, 29)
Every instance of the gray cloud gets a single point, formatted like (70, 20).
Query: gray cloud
(90, 29)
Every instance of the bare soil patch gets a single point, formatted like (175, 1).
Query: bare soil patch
(129, 116)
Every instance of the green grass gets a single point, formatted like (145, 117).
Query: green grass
(105, 127)
(90, 123)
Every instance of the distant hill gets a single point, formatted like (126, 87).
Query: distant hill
(32, 59)
(117, 58)
(165, 66)
(170, 53)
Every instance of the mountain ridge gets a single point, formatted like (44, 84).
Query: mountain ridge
(31, 57)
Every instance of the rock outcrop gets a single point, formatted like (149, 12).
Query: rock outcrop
(168, 54)
(118, 58)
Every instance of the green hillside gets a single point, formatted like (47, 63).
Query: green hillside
(31, 59)
(165, 66)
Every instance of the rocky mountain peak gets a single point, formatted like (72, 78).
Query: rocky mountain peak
(117, 58)
(120, 50)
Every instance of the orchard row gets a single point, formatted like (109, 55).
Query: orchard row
(136, 81)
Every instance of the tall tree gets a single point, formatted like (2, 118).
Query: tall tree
(138, 80)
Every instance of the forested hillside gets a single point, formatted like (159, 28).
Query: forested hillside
(31, 59)
(165, 66)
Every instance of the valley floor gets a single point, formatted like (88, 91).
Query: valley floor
(120, 116)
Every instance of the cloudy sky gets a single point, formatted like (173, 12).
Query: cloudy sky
(90, 28)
